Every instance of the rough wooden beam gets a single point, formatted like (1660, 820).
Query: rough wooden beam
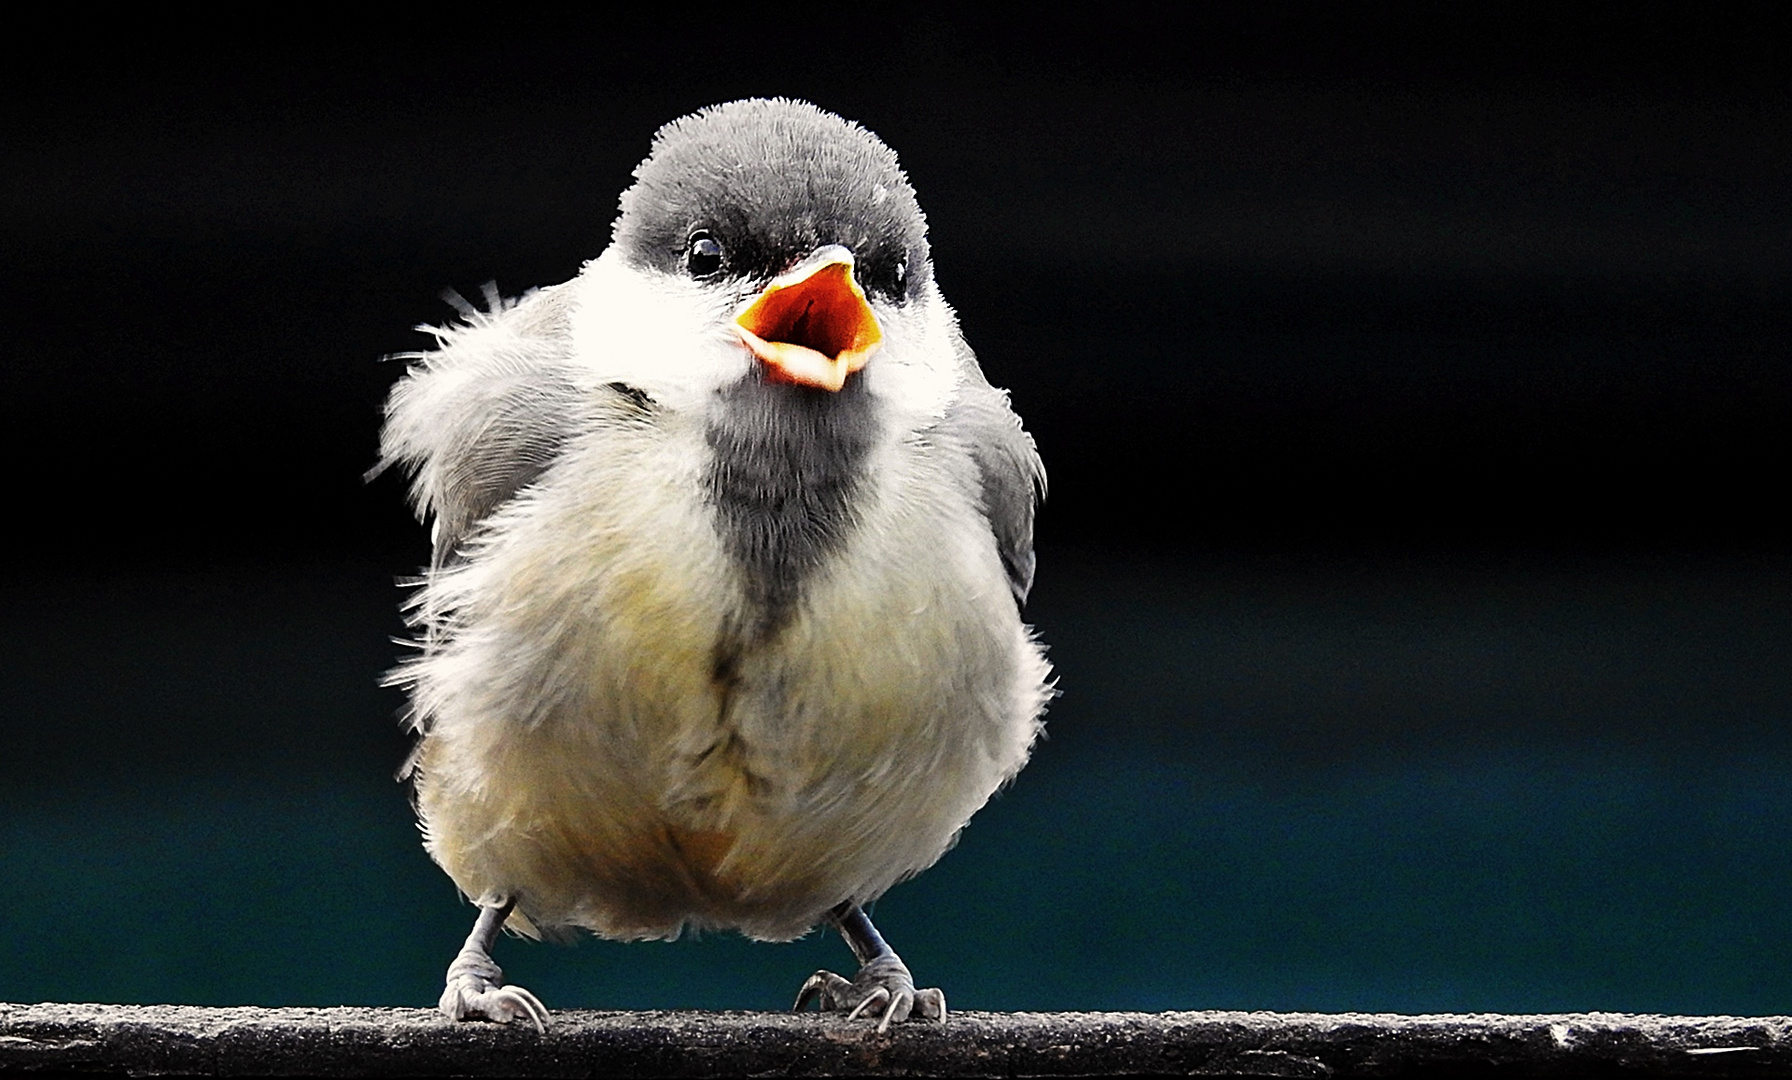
(161, 1039)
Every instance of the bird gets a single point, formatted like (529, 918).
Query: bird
(723, 623)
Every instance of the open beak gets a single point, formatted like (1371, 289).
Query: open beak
(811, 326)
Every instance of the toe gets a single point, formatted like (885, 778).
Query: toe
(452, 1005)
(902, 1002)
(930, 1004)
(828, 990)
(876, 999)
(513, 1003)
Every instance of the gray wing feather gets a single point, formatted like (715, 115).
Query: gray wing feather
(1010, 476)
(483, 415)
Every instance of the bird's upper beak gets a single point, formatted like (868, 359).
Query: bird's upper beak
(811, 326)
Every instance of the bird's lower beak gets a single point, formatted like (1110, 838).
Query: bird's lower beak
(812, 326)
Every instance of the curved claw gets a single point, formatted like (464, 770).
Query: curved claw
(876, 999)
(824, 988)
(899, 1007)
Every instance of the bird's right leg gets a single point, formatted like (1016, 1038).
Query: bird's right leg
(476, 989)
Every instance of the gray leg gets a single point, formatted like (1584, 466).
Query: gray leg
(883, 986)
(476, 989)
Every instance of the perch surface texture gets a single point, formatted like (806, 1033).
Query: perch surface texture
(190, 1040)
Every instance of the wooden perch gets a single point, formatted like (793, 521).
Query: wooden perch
(160, 1039)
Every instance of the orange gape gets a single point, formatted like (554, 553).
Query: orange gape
(812, 326)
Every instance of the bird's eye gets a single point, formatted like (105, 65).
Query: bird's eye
(703, 255)
(901, 275)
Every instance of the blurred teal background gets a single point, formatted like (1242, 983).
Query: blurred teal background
(1360, 786)
(1414, 379)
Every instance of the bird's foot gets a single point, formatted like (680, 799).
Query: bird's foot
(476, 991)
(882, 988)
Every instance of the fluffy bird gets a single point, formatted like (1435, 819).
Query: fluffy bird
(722, 628)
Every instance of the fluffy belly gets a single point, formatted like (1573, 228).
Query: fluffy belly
(622, 780)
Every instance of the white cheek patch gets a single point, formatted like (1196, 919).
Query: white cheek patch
(665, 335)
(917, 371)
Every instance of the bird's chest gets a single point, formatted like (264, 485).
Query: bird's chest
(767, 627)
(854, 717)
(789, 683)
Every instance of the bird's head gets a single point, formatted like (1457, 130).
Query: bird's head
(768, 239)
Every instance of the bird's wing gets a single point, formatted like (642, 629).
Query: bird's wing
(1010, 476)
(485, 413)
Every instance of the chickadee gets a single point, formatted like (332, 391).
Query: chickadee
(722, 627)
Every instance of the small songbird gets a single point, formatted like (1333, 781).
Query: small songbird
(722, 628)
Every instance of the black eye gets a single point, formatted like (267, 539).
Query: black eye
(703, 256)
(901, 275)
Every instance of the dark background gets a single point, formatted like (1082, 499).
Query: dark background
(1412, 383)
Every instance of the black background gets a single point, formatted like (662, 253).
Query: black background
(1309, 276)
(1412, 380)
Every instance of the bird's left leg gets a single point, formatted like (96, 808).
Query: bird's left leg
(476, 989)
(883, 986)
